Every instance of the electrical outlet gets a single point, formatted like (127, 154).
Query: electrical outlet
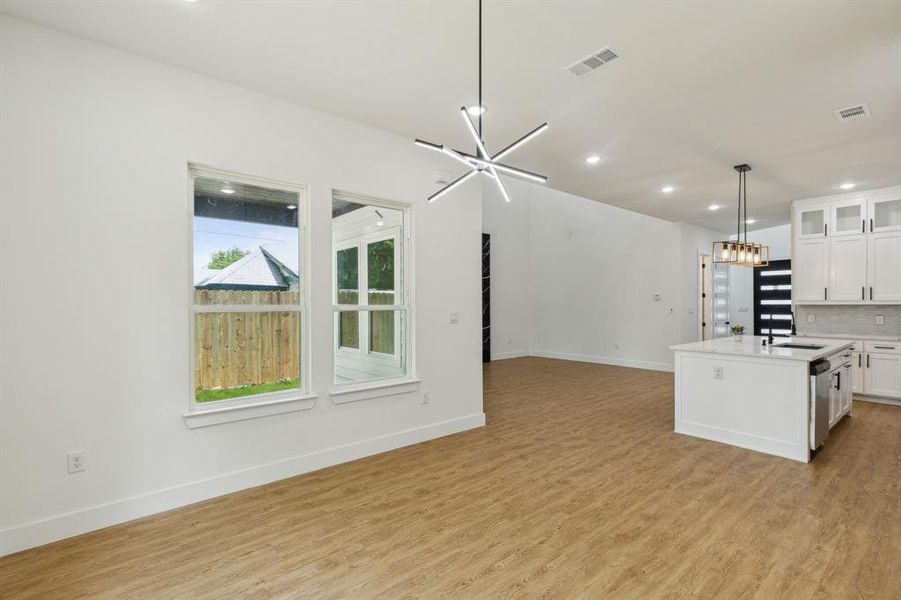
(717, 372)
(880, 320)
(77, 462)
(454, 318)
(811, 318)
(425, 397)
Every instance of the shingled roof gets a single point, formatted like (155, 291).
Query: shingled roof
(259, 270)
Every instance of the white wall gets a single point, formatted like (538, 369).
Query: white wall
(741, 279)
(95, 262)
(580, 277)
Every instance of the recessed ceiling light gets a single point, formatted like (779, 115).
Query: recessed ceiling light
(847, 186)
(750, 221)
(713, 207)
(475, 111)
(667, 189)
(291, 206)
(227, 190)
(593, 159)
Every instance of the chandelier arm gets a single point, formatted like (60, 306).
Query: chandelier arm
(451, 185)
(457, 156)
(474, 134)
(500, 184)
(475, 160)
(520, 141)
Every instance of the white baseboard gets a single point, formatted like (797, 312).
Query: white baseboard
(877, 400)
(606, 360)
(506, 355)
(67, 525)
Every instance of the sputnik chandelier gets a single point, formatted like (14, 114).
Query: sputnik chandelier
(482, 161)
(740, 252)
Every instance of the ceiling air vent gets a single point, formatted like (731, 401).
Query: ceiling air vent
(852, 112)
(594, 61)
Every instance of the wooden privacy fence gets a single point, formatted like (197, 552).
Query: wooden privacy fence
(236, 349)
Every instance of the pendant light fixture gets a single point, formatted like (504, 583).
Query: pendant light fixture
(740, 252)
(482, 162)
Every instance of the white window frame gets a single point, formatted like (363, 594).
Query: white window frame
(404, 284)
(363, 330)
(271, 403)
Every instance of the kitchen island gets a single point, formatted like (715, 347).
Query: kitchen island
(762, 397)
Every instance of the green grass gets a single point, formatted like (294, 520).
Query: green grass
(245, 390)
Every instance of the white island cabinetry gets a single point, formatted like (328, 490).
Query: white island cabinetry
(758, 397)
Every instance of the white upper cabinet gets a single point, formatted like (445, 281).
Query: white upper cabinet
(811, 221)
(885, 214)
(847, 249)
(810, 283)
(884, 266)
(847, 268)
(848, 218)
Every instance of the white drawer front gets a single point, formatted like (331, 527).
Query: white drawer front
(882, 347)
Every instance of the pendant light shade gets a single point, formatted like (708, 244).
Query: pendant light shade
(740, 252)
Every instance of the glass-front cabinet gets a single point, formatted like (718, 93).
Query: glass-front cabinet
(885, 214)
(811, 221)
(849, 218)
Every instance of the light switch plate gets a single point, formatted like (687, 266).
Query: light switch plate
(717, 372)
(454, 318)
(811, 318)
(880, 319)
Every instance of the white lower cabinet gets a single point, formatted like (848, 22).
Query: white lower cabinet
(857, 372)
(882, 375)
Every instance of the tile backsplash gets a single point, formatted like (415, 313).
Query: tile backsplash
(850, 320)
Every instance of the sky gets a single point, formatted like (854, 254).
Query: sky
(221, 234)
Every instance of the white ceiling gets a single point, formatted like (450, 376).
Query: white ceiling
(701, 86)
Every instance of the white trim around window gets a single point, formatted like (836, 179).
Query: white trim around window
(401, 232)
(265, 404)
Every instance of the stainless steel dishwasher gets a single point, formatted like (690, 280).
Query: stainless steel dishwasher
(820, 383)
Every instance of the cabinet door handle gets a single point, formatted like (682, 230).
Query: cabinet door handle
(825, 229)
(868, 361)
(863, 226)
(885, 347)
(871, 225)
(825, 293)
(838, 380)
(863, 295)
(859, 360)
(871, 292)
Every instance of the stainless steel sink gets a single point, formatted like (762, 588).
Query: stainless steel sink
(799, 346)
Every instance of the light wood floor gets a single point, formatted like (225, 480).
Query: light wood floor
(576, 488)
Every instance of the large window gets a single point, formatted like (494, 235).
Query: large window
(247, 289)
(370, 300)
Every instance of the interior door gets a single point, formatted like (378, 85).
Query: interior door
(720, 304)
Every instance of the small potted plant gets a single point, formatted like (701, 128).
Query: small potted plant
(737, 331)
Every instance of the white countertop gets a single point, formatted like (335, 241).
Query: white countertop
(750, 345)
(848, 336)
